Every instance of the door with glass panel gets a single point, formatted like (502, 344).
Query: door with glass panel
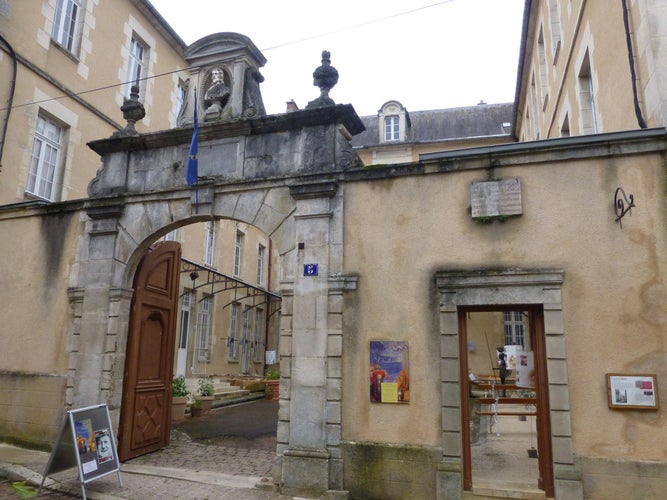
(184, 333)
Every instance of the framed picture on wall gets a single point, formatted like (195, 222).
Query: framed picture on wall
(639, 392)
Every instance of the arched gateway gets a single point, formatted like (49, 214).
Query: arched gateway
(278, 173)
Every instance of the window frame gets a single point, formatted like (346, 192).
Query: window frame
(67, 25)
(232, 338)
(39, 162)
(515, 329)
(204, 327)
(261, 252)
(259, 322)
(187, 302)
(392, 128)
(209, 244)
(136, 64)
(238, 253)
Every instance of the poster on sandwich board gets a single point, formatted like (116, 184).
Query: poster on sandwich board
(85, 440)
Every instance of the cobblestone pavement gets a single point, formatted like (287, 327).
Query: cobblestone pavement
(226, 455)
(184, 453)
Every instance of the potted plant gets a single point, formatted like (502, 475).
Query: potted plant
(196, 409)
(272, 382)
(179, 398)
(205, 394)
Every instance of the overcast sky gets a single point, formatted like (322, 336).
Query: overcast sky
(427, 54)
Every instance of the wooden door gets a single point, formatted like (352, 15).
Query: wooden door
(145, 415)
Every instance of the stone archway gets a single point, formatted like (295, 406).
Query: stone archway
(284, 183)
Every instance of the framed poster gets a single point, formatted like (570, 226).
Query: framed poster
(639, 392)
(389, 372)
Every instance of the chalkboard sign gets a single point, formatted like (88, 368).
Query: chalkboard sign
(85, 440)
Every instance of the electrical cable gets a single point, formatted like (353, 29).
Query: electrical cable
(294, 42)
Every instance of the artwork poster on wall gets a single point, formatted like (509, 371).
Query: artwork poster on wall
(389, 371)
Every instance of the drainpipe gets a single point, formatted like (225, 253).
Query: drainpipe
(631, 58)
(10, 99)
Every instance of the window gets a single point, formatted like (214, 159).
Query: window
(171, 235)
(246, 325)
(391, 128)
(67, 24)
(554, 14)
(587, 98)
(542, 58)
(565, 127)
(204, 328)
(533, 101)
(233, 331)
(515, 328)
(181, 95)
(46, 159)
(186, 308)
(259, 323)
(209, 249)
(260, 264)
(135, 67)
(238, 253)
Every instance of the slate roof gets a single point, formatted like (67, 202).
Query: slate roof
(441, 124)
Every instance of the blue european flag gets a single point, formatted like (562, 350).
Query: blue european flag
(191, 172)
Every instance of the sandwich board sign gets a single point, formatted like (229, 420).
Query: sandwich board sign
(86, 441)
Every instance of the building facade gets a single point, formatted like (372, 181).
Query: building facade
(70, 65)
(560, 236)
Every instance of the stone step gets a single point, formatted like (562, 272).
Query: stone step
(493, 492)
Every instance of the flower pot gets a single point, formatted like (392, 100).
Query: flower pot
(196, 411)
(178, 405)
(206, 403)
(273, 389)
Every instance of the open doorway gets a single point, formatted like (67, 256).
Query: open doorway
(507, 441)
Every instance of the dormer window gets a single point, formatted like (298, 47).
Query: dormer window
(391, 128)
(393, 122)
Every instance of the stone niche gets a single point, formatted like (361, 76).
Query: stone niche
(224, 79)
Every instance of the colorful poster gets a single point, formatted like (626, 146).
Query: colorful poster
(389, 372)
(84, 436)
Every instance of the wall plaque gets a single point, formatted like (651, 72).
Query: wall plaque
(496, 198)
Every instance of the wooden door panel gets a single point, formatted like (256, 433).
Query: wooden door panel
(146, 404)
(148, 427)
(150, 355)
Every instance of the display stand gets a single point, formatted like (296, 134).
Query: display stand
(85, 440)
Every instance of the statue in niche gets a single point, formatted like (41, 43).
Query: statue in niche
(217, 95)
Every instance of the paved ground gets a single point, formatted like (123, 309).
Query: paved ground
(227, 454)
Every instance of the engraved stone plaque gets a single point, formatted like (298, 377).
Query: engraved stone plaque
(220, 158)
(496, 198)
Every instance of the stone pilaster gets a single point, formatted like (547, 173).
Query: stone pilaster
(311, 459)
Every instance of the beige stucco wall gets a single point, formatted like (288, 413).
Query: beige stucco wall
(399, 232)
(597, 27)
(39, 254)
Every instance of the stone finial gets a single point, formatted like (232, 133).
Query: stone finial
(324, 77)
(133, 111)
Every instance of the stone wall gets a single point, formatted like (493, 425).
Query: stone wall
(31, 407)
(390, 472)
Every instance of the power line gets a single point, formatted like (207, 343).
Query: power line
(286, 44)
(360, 25)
